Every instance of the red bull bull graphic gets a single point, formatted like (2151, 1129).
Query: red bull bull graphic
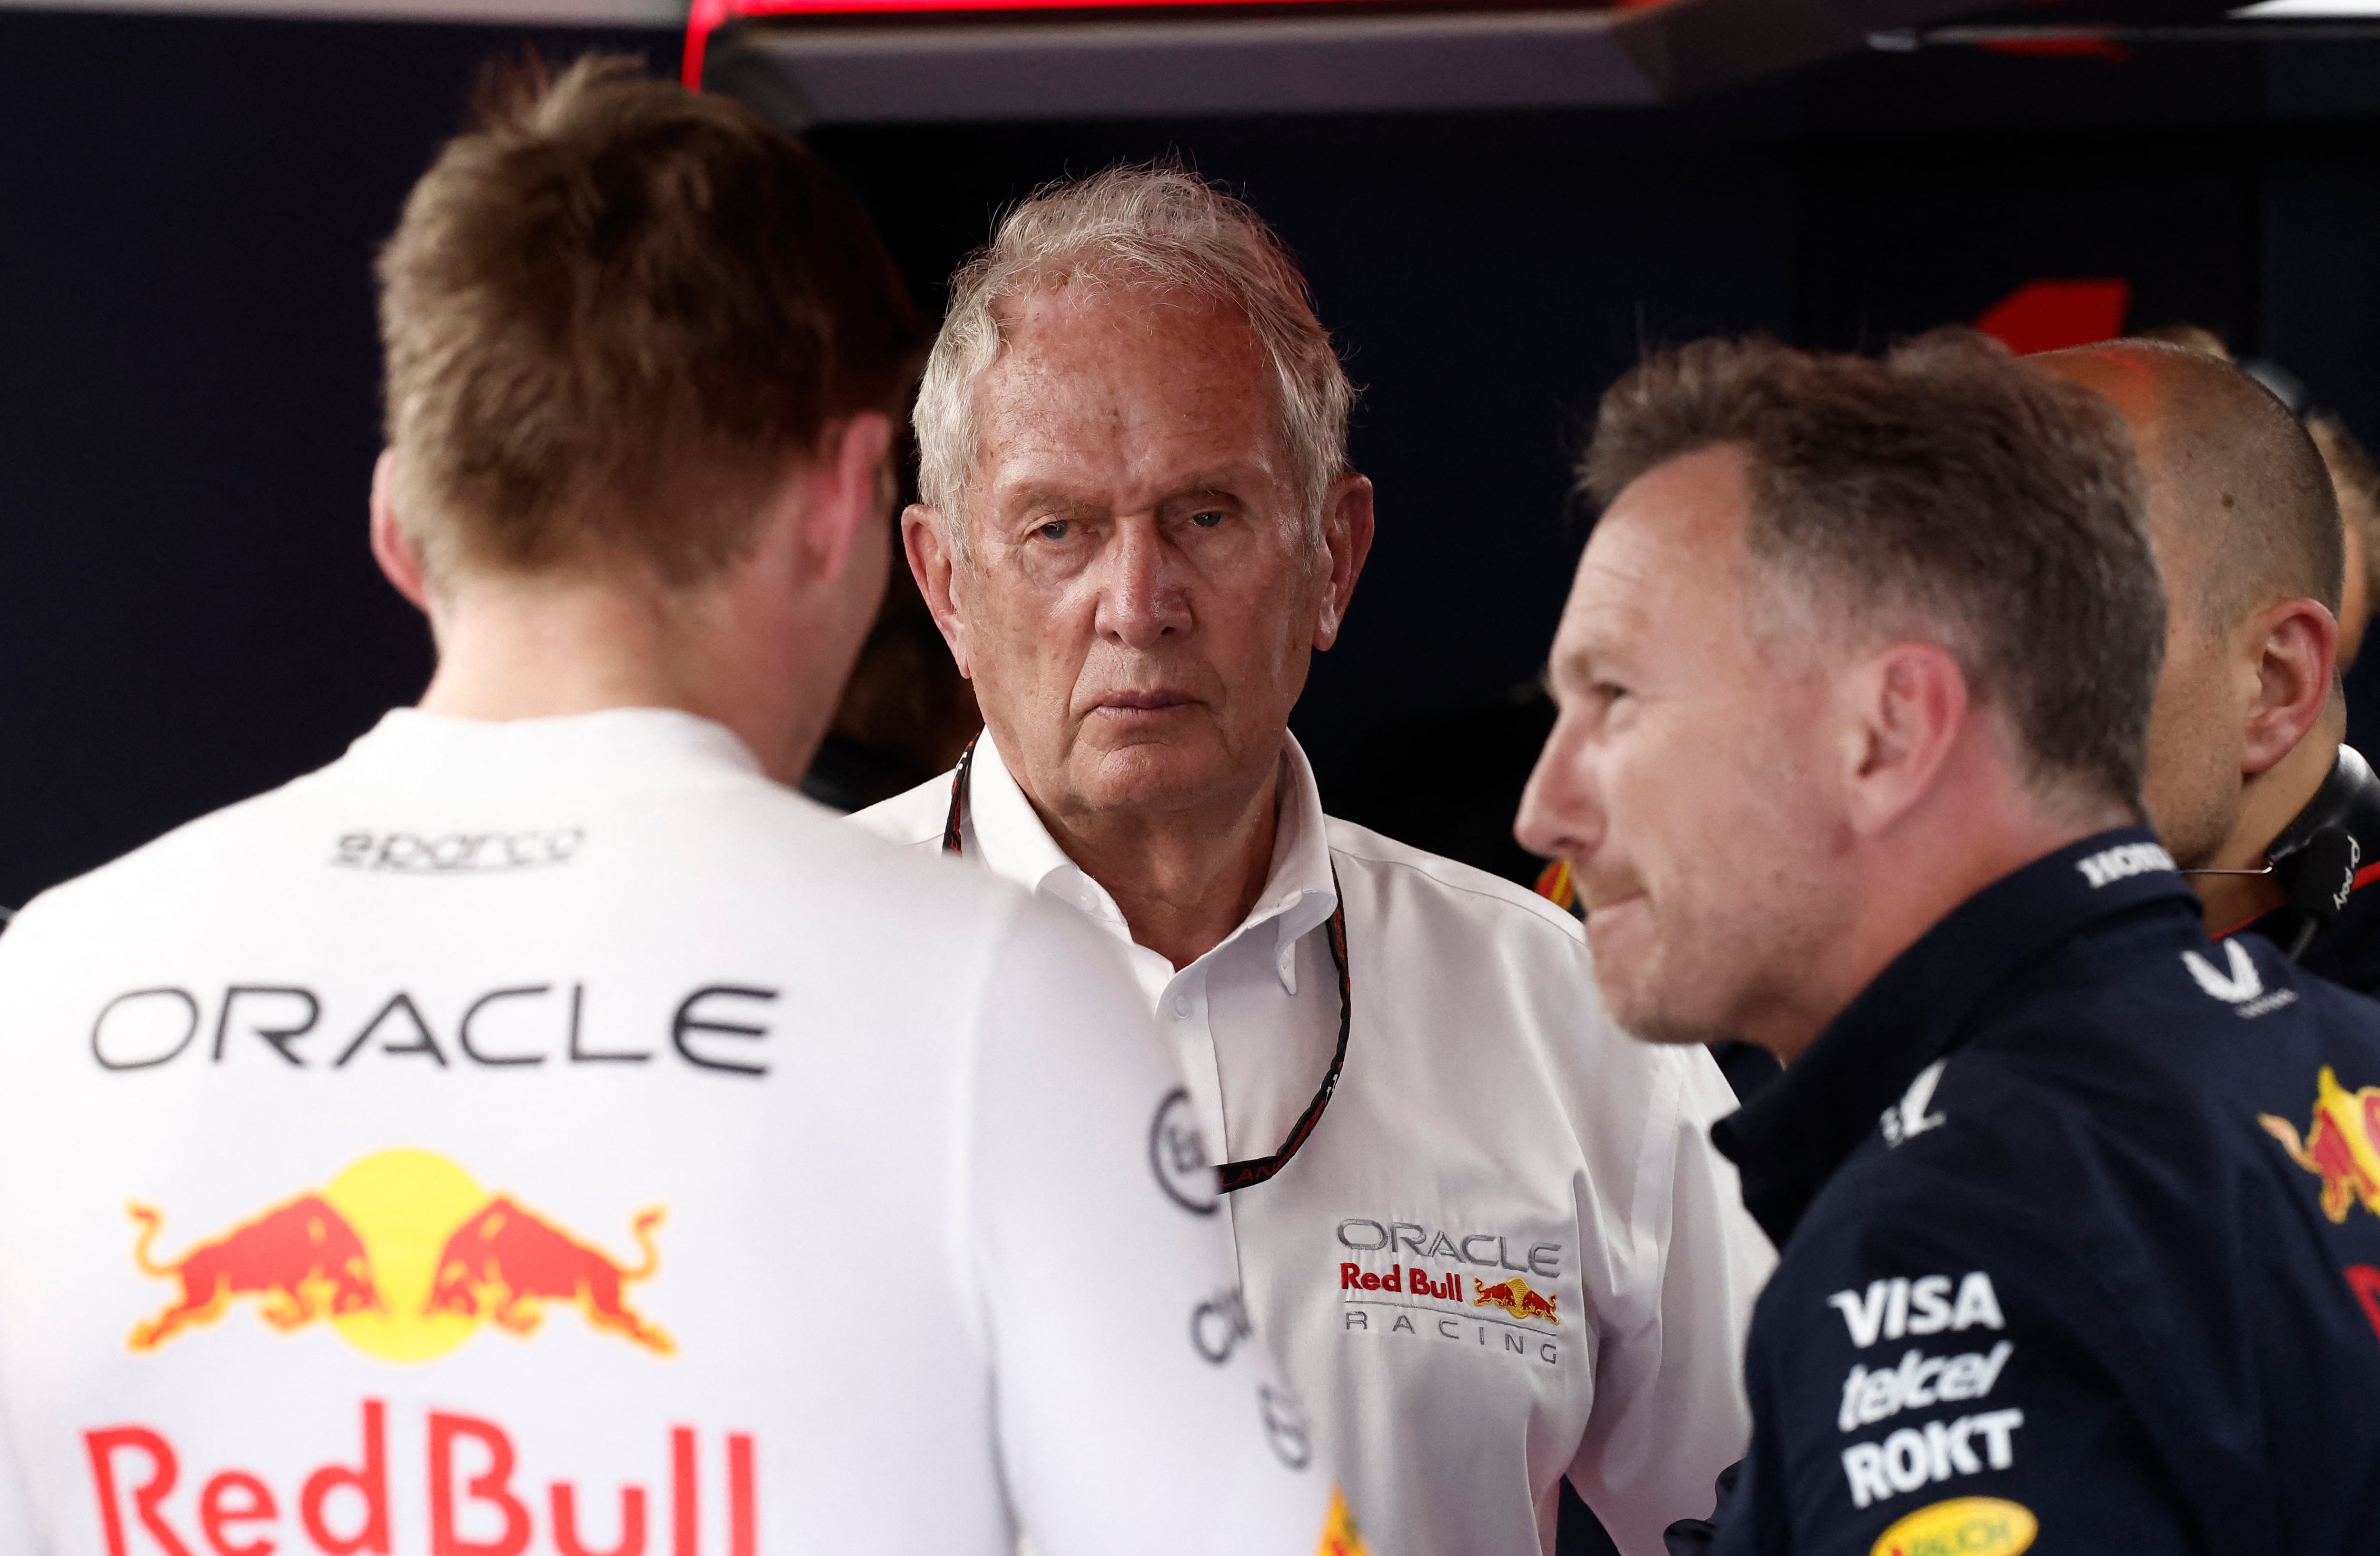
(505, 1260)
(480, 1498)
(301, 1260)
(405, 1258)
(1516, 1297)
(2341, 1147)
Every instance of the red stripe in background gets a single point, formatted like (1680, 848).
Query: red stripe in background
(2107, 49)
(703, 18)
(2052, 315)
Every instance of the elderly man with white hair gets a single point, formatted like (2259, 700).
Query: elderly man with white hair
(1487, 1233)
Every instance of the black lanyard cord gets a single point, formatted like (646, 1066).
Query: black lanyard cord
(1231, 1176)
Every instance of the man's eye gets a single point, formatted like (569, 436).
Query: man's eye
(1207, 519)
(1056, 530)
(1608, 692)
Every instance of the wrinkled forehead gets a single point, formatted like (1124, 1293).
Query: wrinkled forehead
(1135, 347)
(1135, 378)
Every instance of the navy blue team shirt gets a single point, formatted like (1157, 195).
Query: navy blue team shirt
(2079, 1216)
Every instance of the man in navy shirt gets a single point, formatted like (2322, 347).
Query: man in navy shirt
(2078, 1211)
(2275, 821)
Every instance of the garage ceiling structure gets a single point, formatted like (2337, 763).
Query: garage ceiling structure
(806, 62)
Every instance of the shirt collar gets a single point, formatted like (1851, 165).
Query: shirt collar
(1299, 893)
(612, 743)
(1301, 890)
(1790, 1140)
(1011, 838)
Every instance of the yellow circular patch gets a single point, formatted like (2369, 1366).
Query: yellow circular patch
(403, 1205)
(1965, 1527)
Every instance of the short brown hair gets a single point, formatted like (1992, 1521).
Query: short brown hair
(1942, 490)
(615, 314)
(2248, 487)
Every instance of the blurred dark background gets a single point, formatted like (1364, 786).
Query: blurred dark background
(187, 367)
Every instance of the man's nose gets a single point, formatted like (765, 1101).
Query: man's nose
(1559, 818)
(1145, 592)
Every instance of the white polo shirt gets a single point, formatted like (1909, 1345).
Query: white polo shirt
(1508, 1252)
(555, 1137)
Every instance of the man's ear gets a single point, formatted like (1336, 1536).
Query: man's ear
(842, 492)
(925, 538)
(1347, 532)
(2291, 650)
(1903, 709)
(399, 559)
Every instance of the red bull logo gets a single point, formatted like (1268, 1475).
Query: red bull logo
(301, 1260)
(466, 1478)
(1516, 1297)
(2341, 1147)
(406, 1256)
(506, 1261)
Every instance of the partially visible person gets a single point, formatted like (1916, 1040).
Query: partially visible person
(2356, 483)
(2276, 821)
(2354, 477)
(1488, 1232)
(541, 1127)
(2080, 1250)
(2190, 337)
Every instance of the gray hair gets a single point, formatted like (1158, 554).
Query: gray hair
(1164, 228)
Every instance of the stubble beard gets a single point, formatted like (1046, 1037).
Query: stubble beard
(2196, 834)
(1733, 970)
(1651, 1009)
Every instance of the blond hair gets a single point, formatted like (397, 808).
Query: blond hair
(614, 316)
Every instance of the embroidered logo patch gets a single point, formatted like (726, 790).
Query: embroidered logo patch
(2341, 1147)
(1907, 1118)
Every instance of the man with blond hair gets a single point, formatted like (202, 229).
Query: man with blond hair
(1486, 1231)
(536, 1129)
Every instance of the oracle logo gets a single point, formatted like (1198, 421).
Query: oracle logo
(1486, 1249)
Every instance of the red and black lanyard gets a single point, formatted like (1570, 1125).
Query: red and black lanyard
(1231, 1176)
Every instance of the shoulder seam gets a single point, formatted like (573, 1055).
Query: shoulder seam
(1529, 906)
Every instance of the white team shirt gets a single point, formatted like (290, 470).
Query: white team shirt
(1508, 1253)
(555, 1137)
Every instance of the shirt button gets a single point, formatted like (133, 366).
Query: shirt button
(1180, 1007)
